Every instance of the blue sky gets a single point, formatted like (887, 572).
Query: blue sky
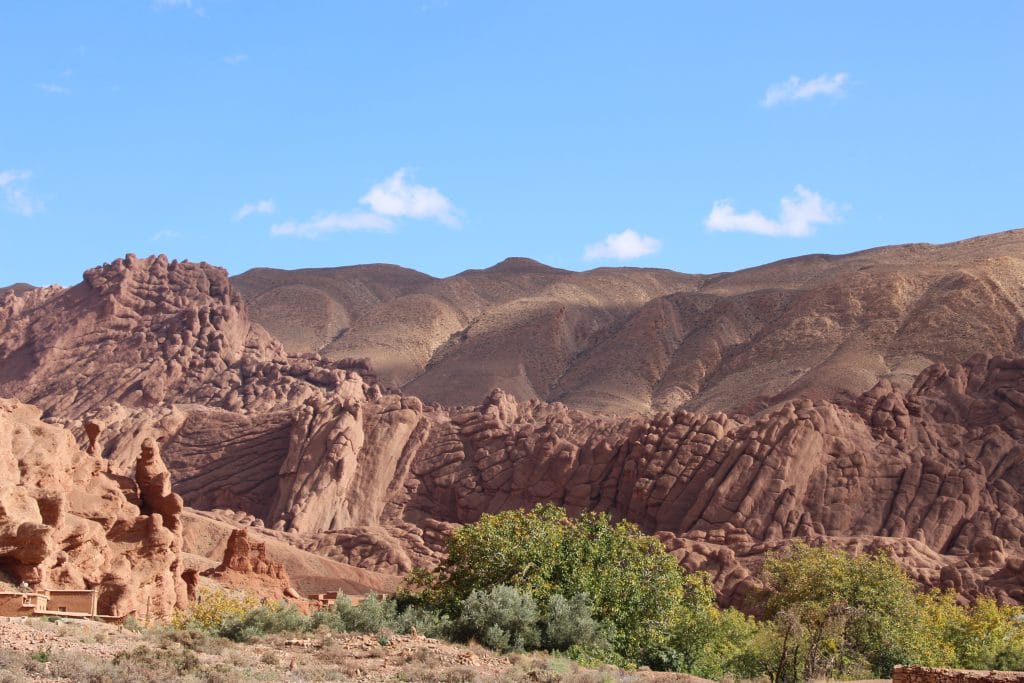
(445, 135)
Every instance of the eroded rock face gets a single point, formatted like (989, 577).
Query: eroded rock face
(66, 522)
(932, 476)
(316, 453)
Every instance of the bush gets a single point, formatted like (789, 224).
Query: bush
(503, 618)
(426, 622)
(371, 615)
(213, 608)
(570, 622)
(634, 585)
(279, 618)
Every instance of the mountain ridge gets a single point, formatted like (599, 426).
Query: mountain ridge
(553, 334)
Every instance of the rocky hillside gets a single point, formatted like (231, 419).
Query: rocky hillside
(312, 454)
(631, 340)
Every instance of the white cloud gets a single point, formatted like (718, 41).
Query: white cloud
(388, 200)
(52, 88)
(16, 197)
(398, 199)
(794, 89)
(628, 244)
(235, 59)
(799, 214)
(262, 206)
(164, 235)
(333, 222)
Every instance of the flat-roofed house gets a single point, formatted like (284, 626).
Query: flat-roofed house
(21, 604)
(72, 602)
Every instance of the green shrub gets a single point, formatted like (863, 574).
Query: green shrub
(503, 617)
(635, 586)
(570, 622)
(279, 618)
(426, 622)
(371, 615)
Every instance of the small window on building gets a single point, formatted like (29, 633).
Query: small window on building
(62, 609)
(28, 601)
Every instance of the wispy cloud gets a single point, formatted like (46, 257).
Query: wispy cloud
(234, 60)
(333, 222)
(262, 206)
(16, 197)
(52, 88)
(389, 200)
(794, 89)
(396, 198)
(187, 4)
(622, 246)
(164, 235)
(799, 215)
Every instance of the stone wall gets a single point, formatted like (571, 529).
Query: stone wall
(923, 674)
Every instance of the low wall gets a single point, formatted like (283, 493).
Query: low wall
(924, 674)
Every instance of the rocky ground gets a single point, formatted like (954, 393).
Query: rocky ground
(73, 650)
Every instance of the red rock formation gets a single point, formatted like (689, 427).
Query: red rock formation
(246, 565)
(142, 332)
(65, 522)
(932, 473)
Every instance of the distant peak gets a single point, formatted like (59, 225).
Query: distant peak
(521, 264)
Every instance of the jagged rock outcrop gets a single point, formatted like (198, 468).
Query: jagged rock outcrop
(145, 332)
(247, 566)
(932, 476)
(66, 522)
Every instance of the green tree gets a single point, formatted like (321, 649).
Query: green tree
(837, 612)
(635, 586)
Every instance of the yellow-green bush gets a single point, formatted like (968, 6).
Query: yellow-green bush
(213, 608)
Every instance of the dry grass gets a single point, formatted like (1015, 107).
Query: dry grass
(105, 654)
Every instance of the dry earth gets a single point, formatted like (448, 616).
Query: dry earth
(75, 651)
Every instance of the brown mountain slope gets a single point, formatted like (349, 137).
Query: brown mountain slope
(626, 340)
(518, 324)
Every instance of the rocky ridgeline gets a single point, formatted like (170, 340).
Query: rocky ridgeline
(312, 451)
(145, 332)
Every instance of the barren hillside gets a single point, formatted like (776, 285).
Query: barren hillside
(630, 340)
